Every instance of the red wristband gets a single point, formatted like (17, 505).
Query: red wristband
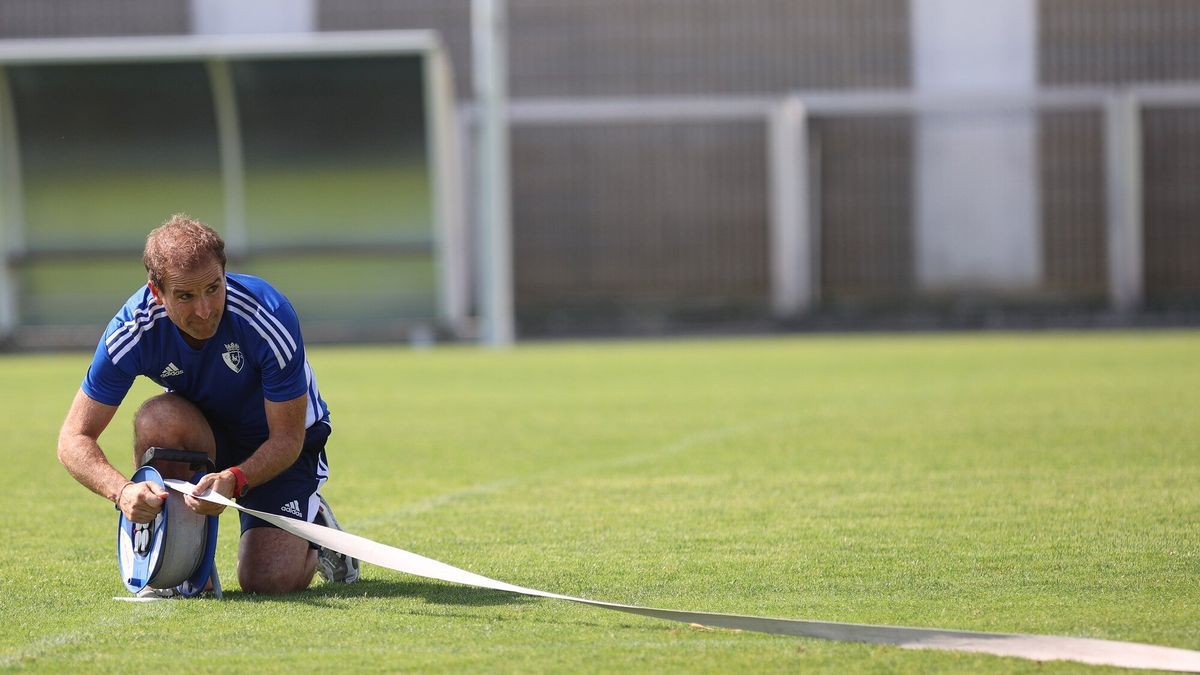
(243, 486)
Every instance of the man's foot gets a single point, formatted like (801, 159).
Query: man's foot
(333, 566)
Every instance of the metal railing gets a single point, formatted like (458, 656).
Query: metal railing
(795, 172)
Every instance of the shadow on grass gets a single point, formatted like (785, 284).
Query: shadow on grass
(341, 597)
(322, 594)
(334, 596)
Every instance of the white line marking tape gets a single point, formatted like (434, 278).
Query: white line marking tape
(1035, 647)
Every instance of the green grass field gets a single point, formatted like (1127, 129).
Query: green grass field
(1019, 483)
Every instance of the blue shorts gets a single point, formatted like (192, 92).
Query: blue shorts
(293, 493)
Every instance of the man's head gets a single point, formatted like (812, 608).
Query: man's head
(185, 262)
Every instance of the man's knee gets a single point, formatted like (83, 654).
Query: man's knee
(170, 421)
(164, 414)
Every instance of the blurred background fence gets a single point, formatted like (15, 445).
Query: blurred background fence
(680, 164)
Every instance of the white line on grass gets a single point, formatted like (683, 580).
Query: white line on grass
(433, 502)
(684, 444)
(107, 625)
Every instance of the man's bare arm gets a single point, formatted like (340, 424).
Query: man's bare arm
(285, 422)
(79, 451)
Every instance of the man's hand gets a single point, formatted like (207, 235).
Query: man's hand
(141, 502)
(223, 483)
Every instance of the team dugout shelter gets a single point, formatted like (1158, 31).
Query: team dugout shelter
(328, 162)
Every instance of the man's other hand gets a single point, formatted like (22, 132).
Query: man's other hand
(223, 483)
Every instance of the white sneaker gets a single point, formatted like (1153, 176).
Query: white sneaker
(333, 567)
(148, 593)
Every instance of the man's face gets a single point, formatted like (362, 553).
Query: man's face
(194, 298)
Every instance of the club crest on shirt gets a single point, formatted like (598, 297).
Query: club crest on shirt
(233, 357)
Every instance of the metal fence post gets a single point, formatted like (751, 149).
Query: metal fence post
(1123, 178)
(489, 28)
(790, 224)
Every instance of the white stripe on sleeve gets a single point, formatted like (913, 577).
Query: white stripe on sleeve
(255, 313)
(254, 324)
(249, 300)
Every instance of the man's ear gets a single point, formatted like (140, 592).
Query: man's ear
(154, 290)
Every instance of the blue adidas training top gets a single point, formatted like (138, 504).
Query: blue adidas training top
(257, 353)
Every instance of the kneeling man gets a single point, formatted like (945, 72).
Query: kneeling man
(227, 349)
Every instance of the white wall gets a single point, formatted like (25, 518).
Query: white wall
(253, 16)
(977, 208)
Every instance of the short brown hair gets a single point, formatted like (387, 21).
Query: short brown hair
(181, 243)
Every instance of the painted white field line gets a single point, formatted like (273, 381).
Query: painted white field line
(436, 501)
(679, 445)
(45, 647)
(1035, 647)
(684, 444)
